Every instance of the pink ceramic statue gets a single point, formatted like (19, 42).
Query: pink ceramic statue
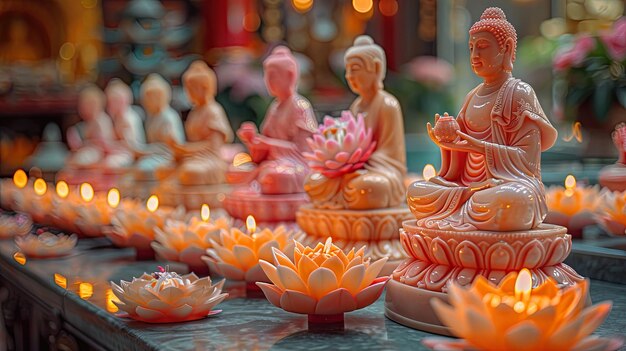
(614, 176)
(127, 124)
(279, 167)
(199, 168)
(364, 204)
(482, 214)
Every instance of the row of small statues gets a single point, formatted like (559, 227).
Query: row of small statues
(490, 177)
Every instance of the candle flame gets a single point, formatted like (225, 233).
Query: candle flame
(570, 185)
(251, 224)
(19, 258)
(20, 178)
(429, 172)
(40, 186)
(63, 190)
(110, 298)
(86, 192)
(153, 203)
(113, 197)
(205, 212)
(85, 290)
(60, 280)
(241, 158)
(328, 245)
(523, 285)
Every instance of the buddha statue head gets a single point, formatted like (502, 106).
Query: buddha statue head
(119, 97)
(200, 83)
(492, 44)
(281, 73)
(156, 94)
(366, 65)
(90, 103)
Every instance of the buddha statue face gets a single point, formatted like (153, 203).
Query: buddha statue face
(90, 104)
(279, 82)
(153, 101)
(119, 97)
(360, 77)
(200, 83)
(486, 57)
(492, 43)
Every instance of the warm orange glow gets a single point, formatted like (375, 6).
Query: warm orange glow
(85, 290)
(113, 198)
(570, 185)
(60, 280)
(153, 203)
(251, 22)
(20, 178)
(40, 186)
(19, 258)
(86, 192)
(388, 7)
(63, 190)
(523, 285)
(241, 158)
(110, 297)
(429, 172)
(251, 224)
(302, 5)
(576, 133)
(205, 212)
(362, 6)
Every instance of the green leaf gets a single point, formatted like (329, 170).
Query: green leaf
(620, 92)
(602, 99)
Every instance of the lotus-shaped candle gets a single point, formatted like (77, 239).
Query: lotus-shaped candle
(37, 202)
(46, 244)
(11, 226)
(611, 212)
(572, 206)
(445, 128)
(323, 282)
(236, 255)
(515, 316)
(134, 227)
(342, 145)
(167, 297)
(187, 241)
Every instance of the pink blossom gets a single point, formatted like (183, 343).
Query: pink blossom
(431, 70)
(615, 40)
(574, 56)
(563, 61)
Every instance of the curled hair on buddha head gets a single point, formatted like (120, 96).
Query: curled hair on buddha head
(200, 73)
(371, 53)
(283, 59)
(493, 20)
(156, 82)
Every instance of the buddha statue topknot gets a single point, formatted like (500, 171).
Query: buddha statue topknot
(482, 214)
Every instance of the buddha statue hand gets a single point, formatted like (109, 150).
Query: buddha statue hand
(247, 132)
(463, 142)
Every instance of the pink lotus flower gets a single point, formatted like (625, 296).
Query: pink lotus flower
(574, 56)
(342, 145)
(615, 40)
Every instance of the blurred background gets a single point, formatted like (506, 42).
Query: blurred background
(572, 52)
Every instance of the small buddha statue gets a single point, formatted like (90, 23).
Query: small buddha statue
(127, 123)
(207, 130)
(379, 184)
(490, 178)
(289, 121)
(164, 127)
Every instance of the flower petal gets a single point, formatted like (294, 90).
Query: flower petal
(272, 274)
(147, 314)
(272, 293)
(321, 282)
(372, 272)
(245, 257)
(336, 302)
(523, 336)
(181, 312)
(297, 302)
(291, 280)
(353, 278)
(305, 267)
(370, 294)
(334, 264)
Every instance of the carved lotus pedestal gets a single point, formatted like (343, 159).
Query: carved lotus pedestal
(376, 229)
(439, 256)
(191, 196)
(265, 208)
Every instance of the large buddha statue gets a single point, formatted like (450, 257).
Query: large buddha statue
(379, 184)
(490, 176)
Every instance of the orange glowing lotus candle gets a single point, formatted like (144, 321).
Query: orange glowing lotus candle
(611, 214)
(65, 207)
(39, 206)
(514, 316)
(572, 206)
(92, 219)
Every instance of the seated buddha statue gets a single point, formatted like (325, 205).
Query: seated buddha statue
(164, 127)
(289, 121)
(379, 184)
(207, 130)
(127, 124)
(490, 176)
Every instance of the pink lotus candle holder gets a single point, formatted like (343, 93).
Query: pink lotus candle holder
(134, 227)
(17, 225)
(46, 244)
(515, 316)
(611, 213)
(572, 206)
(167, 297)
(342, 145)
(323, 282)
(236, 255)
(188, 241)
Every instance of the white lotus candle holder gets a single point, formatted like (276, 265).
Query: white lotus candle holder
(167, 297)
(46, 244)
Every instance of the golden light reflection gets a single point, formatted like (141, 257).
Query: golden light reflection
(19, 258)
(86, 192)
(63, 190)
(241, 158)
(205, 212)
(60, 280)
(250, 224)
(429, 172)
(40, 186)
(362, 6)
(570, 185)
(302, 5)
(20, 178)
(153, 203)
(523, 286)
(110, 297)
(113, 198)
(576, 133)
(85, 290)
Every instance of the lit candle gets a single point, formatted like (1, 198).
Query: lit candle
(153, 203)
(570, 185)
(63, 190)
(113, 198)
(205, 212)
(20, 179)
(86, 192)
(250, 224)
(428, 172)
(40, 187)
(572, 206)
